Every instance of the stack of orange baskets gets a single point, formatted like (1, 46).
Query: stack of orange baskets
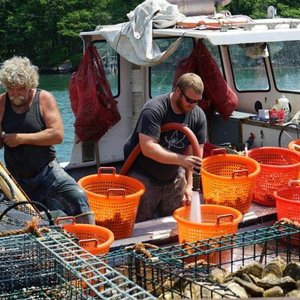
(93, 238)
(114, 199)
(229, 179)
(277, 167)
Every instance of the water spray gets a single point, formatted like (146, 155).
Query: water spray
(195, 214)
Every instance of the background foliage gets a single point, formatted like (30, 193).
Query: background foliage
(47, 31)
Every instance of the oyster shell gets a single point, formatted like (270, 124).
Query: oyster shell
(294, 294)
(204, 291)
(251, 288)
(237, 289)
(253, 268)
(274, 269)
(292, 269)
(218, 275)
(275, 291)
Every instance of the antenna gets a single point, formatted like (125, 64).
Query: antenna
(272, 12)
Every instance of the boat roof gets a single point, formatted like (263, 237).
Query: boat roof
(262, 30)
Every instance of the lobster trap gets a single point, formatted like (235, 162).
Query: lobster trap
(55, 267)
(184, 271)
(13, 215)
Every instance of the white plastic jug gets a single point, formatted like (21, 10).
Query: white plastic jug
(284, 104)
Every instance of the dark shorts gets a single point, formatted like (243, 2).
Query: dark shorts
(159, 200)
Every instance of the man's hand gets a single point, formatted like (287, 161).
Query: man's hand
(191, 162)
(187, 199)
(10, 139)
(186, 202)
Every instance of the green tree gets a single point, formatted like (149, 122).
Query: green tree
(47, 31)
(258, 8)
(120, 8)
(244, 7)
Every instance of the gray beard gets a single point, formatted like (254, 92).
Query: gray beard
(18, 101)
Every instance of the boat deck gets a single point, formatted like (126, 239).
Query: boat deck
(162, 231)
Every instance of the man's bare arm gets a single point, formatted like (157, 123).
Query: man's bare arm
(52, 134)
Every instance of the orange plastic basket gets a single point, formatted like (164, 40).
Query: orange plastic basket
(114, 199)
(229, 180)
(277, 167)
(294, 145)
(216, 220)
(93, 238)
(288, 203)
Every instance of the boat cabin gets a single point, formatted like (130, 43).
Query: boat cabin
(258, 60)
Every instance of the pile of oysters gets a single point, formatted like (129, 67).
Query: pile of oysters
(275, 279)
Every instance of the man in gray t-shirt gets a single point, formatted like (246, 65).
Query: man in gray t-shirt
(166, 155)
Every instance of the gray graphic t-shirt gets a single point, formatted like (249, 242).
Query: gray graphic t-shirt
(154, 114)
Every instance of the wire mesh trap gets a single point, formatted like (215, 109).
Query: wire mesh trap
(185, 270)
(15, 217)
(55, 267)
(163, 280)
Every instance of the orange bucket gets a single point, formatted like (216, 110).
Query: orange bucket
(288, 205)
(114, 199)
(216, 220)
(294, 145)
(229, 179)
(93, 238)
(277, 167)
(288, 202)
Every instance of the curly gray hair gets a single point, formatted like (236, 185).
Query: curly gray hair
(19, 72)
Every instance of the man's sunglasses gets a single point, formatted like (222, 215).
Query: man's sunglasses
(189, 100)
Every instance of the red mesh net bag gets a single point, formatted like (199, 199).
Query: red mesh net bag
(92, 102)
(217, 95)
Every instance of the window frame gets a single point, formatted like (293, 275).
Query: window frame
(233, 72)
(118, 67)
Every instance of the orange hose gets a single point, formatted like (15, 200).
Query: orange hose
(166, 127)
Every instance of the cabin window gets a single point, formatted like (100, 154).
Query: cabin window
(162, 75)
(285, 59)
(110, 60)
(215, 52)
(248, 67)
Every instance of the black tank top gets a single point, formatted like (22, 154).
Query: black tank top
(25, 160)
